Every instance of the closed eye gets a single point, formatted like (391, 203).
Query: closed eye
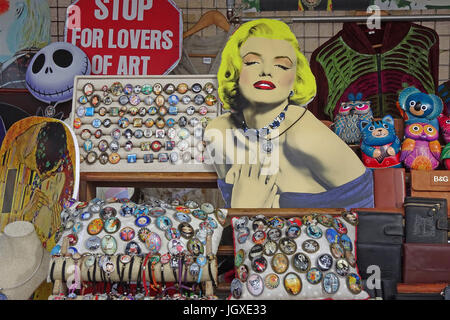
(249, 63)
(282, 67)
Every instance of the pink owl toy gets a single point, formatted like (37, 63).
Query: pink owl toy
(421, 149)
(444, 123)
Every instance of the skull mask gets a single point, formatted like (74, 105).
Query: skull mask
(51, 72)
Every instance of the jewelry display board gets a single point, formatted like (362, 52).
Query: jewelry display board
(143, 123)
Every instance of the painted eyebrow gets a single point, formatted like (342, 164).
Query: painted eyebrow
(284, 57)
(259, 55)
(251, 52)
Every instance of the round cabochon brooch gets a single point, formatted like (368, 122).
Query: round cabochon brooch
(292, 283)
(350, 217)
(272, 281)
(255, 285)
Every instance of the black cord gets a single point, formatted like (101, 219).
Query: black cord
(130, 271)
(210, 272)
(139, 277)
(52, 270)
(89, 275)
(63, 271)
(117, 265)
(95, 270)
(162, 276)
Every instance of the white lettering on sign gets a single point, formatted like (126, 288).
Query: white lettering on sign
(167, 34)
(100, 64)
(102, 12)
(440, 178)
(88, 38)
(131, 65)
(135, 39)
(131, 9)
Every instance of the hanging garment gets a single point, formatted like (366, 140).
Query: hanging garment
(195, 44)
(349, 62)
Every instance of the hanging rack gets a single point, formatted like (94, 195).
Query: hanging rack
(324, 19)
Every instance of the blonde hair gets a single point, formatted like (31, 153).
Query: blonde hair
(231, 63)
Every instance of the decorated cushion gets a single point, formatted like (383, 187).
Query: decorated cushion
(39, 173)
(307, 258)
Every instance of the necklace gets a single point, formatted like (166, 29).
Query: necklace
(267, 145)
(5, 297)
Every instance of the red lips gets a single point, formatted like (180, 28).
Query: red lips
(264, 85)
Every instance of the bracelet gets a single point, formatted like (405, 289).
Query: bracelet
(121, 275)
(139, 278)
(143, 274)
(155, 284)
(211, 257)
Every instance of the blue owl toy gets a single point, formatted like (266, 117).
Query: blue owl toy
(349, 115)
(380, 145)
(420, 107)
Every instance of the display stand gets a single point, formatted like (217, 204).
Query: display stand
(60, 287)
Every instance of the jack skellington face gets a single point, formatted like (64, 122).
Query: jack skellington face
(51, 72)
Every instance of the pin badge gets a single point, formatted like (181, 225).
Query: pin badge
(280, 263)
(236, 288)
(272, 281)
(330, 283)
(288, 246)
(255, 285)
(301, 262)
(292, 283)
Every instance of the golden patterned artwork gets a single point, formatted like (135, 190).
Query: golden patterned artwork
(38, 175)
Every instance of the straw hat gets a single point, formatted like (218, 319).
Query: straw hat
(23, 261)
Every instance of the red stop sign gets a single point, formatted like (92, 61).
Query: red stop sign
(127, 37)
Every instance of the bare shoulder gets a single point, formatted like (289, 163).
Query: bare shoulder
(309, 123)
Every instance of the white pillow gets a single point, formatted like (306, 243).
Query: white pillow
(262, 285)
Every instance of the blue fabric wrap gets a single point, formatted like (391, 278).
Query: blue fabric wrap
(357, 193)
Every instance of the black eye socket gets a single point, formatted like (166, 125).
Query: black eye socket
(38, 63)
(371, 128)
(385, 126)
(62, 58)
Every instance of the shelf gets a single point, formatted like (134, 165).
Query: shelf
(89, 181)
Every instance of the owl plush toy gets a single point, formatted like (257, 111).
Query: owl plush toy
(349, 115)
(421, 149)
(444, 123)
(419, 107)
(380, 145)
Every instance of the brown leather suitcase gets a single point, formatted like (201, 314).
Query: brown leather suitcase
(431, 184)
(389, 187)
(426, 263)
